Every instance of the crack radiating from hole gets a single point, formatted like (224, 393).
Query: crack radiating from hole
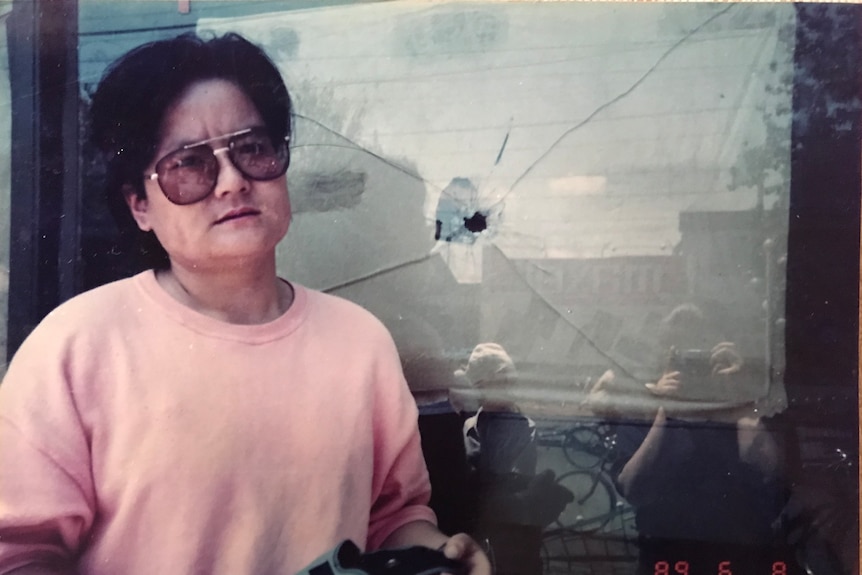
(617, 98)
(590, 342)
(502, 148)
(359, 147)
(378, 272)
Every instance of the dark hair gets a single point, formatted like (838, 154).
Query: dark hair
(689, 326)
(133, 95)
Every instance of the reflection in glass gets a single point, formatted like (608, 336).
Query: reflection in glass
(571, 172)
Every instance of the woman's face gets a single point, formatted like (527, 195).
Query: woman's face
(242, 219)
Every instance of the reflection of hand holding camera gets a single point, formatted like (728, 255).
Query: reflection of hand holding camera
(694, 372)
(348, 558)
(722, 359)
(692, 364)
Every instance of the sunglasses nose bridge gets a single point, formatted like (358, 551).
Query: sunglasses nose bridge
(227, 168)
(228, 161)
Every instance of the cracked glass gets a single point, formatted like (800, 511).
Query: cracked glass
(555, 179)
(573, 219)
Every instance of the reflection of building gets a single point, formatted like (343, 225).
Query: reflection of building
(722, 250)
(613, 279)
(725, 270)
(572, 318)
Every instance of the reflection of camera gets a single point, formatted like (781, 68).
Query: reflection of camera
(691, 363)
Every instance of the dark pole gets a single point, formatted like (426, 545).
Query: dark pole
(823, 240)
(43, 67)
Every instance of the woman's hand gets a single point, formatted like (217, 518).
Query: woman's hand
(460, 547)
(465, 549)
(668, 384)
(724, 359)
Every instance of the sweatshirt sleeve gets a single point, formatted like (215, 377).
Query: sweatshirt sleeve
(46, 492)
(401, 488)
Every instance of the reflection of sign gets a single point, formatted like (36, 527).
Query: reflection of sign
(627, 279)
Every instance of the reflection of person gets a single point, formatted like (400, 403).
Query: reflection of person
(703, 486)
(693, 364)
(499, 439)
(514, 502)
(206, 416)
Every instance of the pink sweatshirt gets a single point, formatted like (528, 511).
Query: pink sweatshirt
(142, 438)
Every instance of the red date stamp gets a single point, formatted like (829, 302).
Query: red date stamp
(722, 568)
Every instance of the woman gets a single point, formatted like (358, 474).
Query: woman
(206, 416)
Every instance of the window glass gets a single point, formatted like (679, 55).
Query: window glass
(554, 179)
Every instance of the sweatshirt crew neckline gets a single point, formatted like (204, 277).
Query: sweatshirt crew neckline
(280, 327)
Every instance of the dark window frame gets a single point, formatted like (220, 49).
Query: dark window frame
(44, 257)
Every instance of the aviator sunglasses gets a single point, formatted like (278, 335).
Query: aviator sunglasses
(189, 174)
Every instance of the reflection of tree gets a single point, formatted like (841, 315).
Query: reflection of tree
(765, 166)
(830, 103)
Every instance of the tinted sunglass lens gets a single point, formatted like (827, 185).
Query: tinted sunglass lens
(188, 176)
(258, 157)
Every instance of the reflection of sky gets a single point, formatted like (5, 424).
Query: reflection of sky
(614, 119)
